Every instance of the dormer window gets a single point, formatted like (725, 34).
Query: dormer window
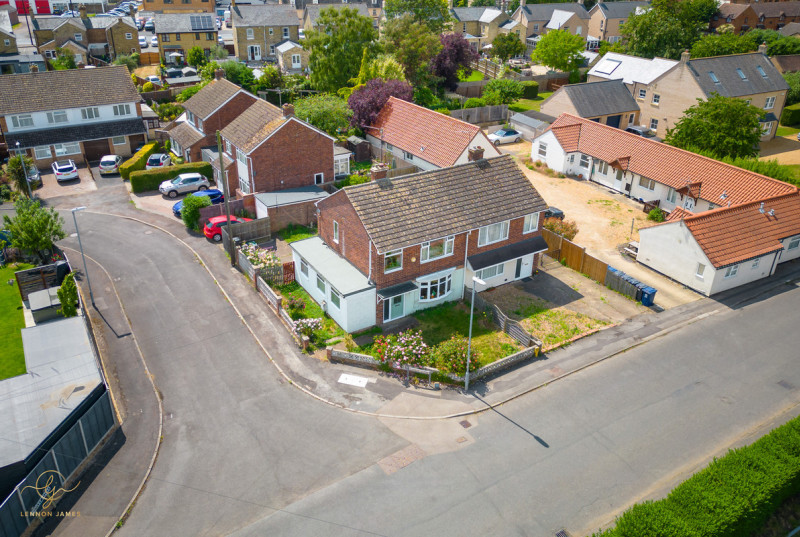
(741, 73)
(714, 78)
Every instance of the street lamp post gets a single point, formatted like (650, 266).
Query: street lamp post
(80, 245)
(24, 170)
(478, 281)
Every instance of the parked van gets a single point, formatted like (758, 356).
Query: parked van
(227, 16)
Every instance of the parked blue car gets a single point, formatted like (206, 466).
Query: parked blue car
(216, 196)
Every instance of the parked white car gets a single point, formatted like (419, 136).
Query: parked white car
(65, 170)
(157, 160)
(185, 182)
(154, 41)
(505, 136)
(143, 42)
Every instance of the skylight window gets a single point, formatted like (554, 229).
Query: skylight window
(741, 74)
(714, 78)
(761, 71)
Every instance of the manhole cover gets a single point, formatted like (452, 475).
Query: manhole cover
(562, 533)
(465, 424)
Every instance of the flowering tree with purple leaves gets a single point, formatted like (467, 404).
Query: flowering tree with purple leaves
(455, 56)
(367, 102)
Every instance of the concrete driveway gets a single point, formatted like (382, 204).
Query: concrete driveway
(52, 188)
(155, 202)
(784, 149)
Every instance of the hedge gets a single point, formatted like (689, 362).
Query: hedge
(138, 160)
(732, 497)
(791, 115)
(531, 89)
(144, 180)
(474, 102)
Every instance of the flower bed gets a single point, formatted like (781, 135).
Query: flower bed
(308, 317)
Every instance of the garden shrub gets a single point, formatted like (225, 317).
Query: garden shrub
(260, 258)
(450, 356)
(146, 180)
(148, 86)
(474, 102)
(354, 179)
(656, 215)
(190, 212)
(791, 115)
(530, 89)
(566, 228)
(445, 111)
(137, 160)
(68, 296)
(574, 77)
(405, 348)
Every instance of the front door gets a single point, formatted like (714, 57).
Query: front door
(254, 52)
(295, 61)
(518, 269)
(393, 308)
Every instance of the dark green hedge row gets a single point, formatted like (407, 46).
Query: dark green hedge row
(791, 115)
(138, 160)
(144, 180)
(531, 89)
(732, 497)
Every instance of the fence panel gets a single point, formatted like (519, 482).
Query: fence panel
(236, 206)
(37, 278)
(397, 172)
(70, 451)
(594, 268)
(482, 114)
(288, 273)
(553, 241)
(573, 254)
(257, 230)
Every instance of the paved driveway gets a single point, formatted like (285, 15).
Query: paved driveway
(155, 202)
(52, 188)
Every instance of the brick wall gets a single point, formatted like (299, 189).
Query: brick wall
(291, 157)
(304, 214)
(118, 42)
(353, 240)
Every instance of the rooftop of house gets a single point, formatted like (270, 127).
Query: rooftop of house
(476, 14)
(717, 182)
(8, 8)
(793, 28)
(253, 125)
(5, 23)
(429, 135)
(51, 23)
(106, 22)
(287, 45)
(730, 235)
(264, 15)
(33, 92)
(619, 10)
(631, 69)
(776, 9)
(311, 11)
(211, 97)
(559, 19)
(788, 63)
(737, 75)
(429, 205)
(732, 10)
(594, 99)
(544, 12)
(184, 23)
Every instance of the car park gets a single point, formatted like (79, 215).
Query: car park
(213, 228)
(109, 164)
(185, 182)
(65, 170)
(157, 160)
(142, 42)
(214, 195)
(505, 136)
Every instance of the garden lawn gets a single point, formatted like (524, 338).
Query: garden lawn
(312, 310)
(787, 131)
(296, 233)
(552, 324)
(523, 105)
(475, 76)
(12, 358)
(452, 318)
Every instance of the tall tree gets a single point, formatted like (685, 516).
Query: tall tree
(559, 50)
(337, 46)
(513, 5)
(723, 44)
(413, 44)
(507, 46)
(455, 57)
(725, 126)
(326, 112)
(383, 66)
(195, 57)
(784, 47)
(239, 74)
(435, 14)
(34, 228)
(16, 174)
(367, 102)
(668, 28)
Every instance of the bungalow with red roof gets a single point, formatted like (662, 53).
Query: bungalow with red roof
(726, 247)
(405, 134)
(648, 170)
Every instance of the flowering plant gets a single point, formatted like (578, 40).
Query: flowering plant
(306, 327)
(451, 355)
(406, 348)
(260, 258)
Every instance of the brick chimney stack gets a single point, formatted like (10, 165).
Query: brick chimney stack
(288, 110)
(82, 11)
(378, 171)
(475, 154)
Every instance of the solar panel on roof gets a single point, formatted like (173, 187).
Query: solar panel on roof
(201, 22)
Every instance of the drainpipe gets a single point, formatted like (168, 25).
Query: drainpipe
(466, 247)
(774, 260)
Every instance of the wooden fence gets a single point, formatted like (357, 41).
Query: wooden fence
(574, 256)
(236, 206)
(506, 324)
(257, 230)
(482, 115)
(38, 278)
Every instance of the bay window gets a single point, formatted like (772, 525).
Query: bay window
(435, 289)
(436, 249)
(493, 233)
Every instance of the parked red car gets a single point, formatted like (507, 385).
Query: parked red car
(213, 228)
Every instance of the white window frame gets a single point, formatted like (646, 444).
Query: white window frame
(731, 271)
(78, 38)
(642, 93)
(766, 128)
(321, 284)
(336, 298)
(531, 223)
(57, 116)
(271, 31)
(91, 112)
(646, 183)
(118, 140)
(656, 98)
(250, 33)
(653, 124)
(124, 110)
(389, 255)
(72, 148)
(304, 267)
(272, 50)
(447, 249)
(672, 195)
(770, 103)
(491, 272)
(296, 59)
(42, 151)
(602, 167)
(794, 243)
(128, 35)
(22, 121)
(701, 268)
(240, 156)
(436, 285)
(756, 262)
(286, 32)
(483, 233)
(542, 149)
(7, 42)
(336, 232)
(584, 161)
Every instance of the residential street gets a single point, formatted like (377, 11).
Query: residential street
(245, 453)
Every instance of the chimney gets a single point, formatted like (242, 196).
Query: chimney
(685, 56)
(580, 2)
(521, 3)
(288, 110)
(475, 154)
(379, 170)
(82, 11)
(762, 48)
(219, 74)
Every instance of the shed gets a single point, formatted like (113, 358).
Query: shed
(360, 148)
(530, 125)
(44, 304)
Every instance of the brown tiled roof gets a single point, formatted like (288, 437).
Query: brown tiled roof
(428, 205)
(679, 213)
(253, 125)
(776, 9)
(36, 92)
(734, 10)
(212, 96)
(185, 135)
(429, 135)
(789, 63)
(730, 235)
(665, 164)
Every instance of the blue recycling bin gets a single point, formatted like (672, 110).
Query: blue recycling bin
(648, 296)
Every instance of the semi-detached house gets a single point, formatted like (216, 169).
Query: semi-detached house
(97, 112)
(390, 247)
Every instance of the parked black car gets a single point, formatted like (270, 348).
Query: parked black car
(554, 212)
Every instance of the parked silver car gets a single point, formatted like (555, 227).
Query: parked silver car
(185, 182)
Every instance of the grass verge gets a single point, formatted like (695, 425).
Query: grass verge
(296, 233)
(12, 357)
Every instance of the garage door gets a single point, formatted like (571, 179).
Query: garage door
(613, 121)
(95, 149)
